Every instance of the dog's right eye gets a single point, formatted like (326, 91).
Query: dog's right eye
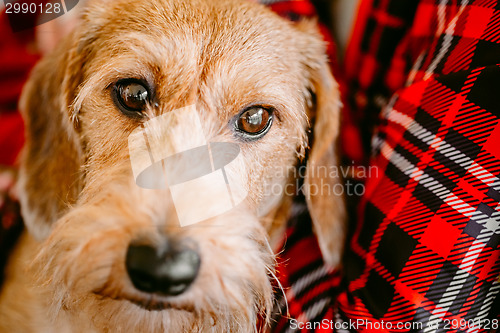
(131, 96)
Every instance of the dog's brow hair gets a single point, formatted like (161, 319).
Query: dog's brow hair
(145, 47)
(161, 49)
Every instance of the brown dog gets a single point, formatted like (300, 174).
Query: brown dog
(104, 254)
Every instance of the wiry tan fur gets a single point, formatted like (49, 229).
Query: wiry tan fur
(81, 205)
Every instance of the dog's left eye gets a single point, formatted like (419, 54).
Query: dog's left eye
(254, 121)
(131, 96)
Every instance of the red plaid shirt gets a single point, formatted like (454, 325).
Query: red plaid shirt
(424, 255)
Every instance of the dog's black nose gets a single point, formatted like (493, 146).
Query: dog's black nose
(165, 271)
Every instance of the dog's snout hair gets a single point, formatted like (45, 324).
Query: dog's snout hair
(81, 201)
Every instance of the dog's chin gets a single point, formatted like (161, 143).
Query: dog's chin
(155, 313)
(103, 313)
(149, 302)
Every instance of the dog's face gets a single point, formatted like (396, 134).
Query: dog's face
(114, 254)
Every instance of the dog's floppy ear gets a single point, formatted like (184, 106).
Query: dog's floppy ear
(323, 185)
(52, 156)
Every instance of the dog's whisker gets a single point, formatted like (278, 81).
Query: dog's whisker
(280, 286)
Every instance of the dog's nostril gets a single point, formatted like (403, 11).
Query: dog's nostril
(168, 272)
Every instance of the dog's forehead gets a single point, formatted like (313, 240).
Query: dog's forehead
(214, 22)
(232, 48)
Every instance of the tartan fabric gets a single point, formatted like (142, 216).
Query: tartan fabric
(375, 63)
(425, 247)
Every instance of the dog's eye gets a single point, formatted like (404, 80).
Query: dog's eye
(255, 121)
(131, 95)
